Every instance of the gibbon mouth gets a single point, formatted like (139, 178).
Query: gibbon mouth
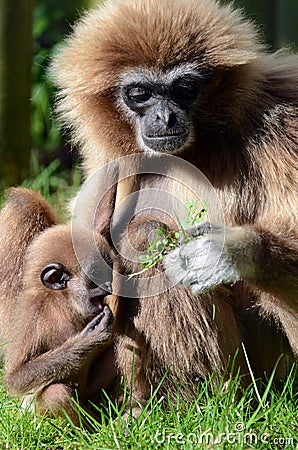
(168, 135)
(97, 300)
(166, 142)
(102, 311)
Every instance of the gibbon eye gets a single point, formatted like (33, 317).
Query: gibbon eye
(54, 276)
(138, 94)
(186, 94)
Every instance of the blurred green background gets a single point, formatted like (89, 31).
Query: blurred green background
(30, 140)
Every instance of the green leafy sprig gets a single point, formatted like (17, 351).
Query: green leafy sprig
(165, 241)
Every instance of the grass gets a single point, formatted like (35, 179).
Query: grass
(217, 419)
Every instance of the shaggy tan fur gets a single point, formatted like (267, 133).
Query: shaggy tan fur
(48, 352)
(246, 140)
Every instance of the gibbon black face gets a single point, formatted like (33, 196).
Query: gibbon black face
(160, 106)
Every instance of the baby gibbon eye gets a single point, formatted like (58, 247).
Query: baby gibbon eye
(54, 276)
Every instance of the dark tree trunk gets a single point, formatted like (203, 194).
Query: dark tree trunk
(15, 89)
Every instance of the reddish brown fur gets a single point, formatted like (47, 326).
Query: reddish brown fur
(246, 144)
(173, 332)
(13, 244)
(46, 356)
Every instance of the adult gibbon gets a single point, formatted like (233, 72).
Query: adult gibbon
(190, 78)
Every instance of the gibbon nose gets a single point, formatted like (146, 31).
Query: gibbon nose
(166, 116)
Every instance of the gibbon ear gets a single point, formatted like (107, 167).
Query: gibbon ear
(54, 276)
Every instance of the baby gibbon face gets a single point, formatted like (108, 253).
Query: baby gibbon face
(54, 271)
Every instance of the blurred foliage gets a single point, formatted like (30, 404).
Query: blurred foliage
(57, 184)
(277, 20)
(46, 33)
(52, 21)
(51, 172)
